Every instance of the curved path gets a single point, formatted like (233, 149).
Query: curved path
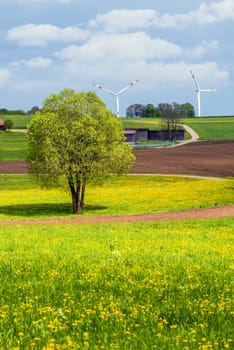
(193, 134)
(226, 211)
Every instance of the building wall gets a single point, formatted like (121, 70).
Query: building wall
(134, 135)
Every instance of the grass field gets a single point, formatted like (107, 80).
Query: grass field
(209, 128)
(152, 124)
(20, 197)
(138, 286)
(19, 121)
(13, 146)
(213, 129)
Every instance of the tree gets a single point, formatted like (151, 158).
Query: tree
(33, 110)
(76, 137)
(8, 124)
(151, 111)
(3, 111)
(187, 110)
(136, 110)
(170, 119)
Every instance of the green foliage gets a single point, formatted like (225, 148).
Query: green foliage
(13, 146)
(8, 124)
(77, 137)
(151, 111)
(125, 286)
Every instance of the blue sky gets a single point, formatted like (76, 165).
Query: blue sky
(48, 45)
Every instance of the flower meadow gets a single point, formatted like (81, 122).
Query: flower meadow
(20, 197)
(166, 285)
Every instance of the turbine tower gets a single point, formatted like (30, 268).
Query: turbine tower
(116, 94)
(198, 91)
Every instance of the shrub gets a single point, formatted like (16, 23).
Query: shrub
(8, 124)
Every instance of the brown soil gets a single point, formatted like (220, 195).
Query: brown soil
(209, 159)
(215, 159)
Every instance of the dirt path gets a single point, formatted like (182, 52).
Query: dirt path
(193, 134)
(201, 213)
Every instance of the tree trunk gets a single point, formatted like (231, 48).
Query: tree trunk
(82, 196)
(75, 194)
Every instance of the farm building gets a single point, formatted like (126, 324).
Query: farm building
(137, 134)
(2, 125)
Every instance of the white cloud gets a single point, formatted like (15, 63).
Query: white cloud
(206, 13)
(129, 47)
(41, 34)
(4, 76)
(124, 19)
(117, 57)
(35, 62)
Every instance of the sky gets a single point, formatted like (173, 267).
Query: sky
(49, 45)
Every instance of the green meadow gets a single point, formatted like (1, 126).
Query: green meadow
(139, 286)
(13, 146)
(151, 285)
(19, 121)
(213, 129)
(163, 286)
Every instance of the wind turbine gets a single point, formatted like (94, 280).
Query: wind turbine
(116, 94)
(198, 90)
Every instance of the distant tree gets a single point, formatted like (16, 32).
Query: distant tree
(164, 107)
(75, 136)
(136, 110)
(187, 110)
(151, 111)
(170, 120)
(16, 111)
(33, 110)
(8, 124)
(3, 111)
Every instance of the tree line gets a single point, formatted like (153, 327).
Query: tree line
(32, 111)
(161, 110)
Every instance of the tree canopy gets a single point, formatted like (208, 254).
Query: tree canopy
(151, 111)
(77, 137)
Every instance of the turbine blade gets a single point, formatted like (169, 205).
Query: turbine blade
(100, 87)
(128, 86)
(195, 81)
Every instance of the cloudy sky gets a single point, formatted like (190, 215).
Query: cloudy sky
(47, 45)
